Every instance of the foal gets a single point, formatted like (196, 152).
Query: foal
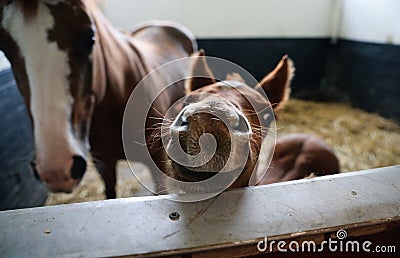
(234, 113)
(298, 156)
(226, 110)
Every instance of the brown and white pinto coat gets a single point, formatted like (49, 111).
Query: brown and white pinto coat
(76, 72)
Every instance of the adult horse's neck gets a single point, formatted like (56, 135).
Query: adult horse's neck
(115, 66)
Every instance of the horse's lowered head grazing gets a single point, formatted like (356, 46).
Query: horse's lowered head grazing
(230, 111)
(54, 73)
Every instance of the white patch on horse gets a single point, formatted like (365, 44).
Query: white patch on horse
(47, 69)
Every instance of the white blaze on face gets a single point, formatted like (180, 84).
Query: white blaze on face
(47, 69)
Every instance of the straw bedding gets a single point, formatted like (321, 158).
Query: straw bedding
(361, 140)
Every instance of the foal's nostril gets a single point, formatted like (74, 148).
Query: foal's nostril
(78, 167)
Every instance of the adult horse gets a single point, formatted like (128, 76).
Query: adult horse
(76, 72)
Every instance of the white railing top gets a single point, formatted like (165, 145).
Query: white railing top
(142, 225)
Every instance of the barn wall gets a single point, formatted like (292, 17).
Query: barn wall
(230, 19)
(373, 21)
(4, 64)
(254, 34)
(365, 63)
(346, 50)
(343, 50)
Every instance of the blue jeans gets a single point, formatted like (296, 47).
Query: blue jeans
(19, 188)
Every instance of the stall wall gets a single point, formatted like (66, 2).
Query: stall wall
(373, 21)
(254, 34)
(365, 62)
(346, 50)
(230, 19)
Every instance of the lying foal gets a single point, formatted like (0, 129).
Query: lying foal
(298, 156)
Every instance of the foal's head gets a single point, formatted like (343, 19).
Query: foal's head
(51, 45)
(237, 116)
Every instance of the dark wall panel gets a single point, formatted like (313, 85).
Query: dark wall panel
(368, 75)
(363, 74)
(259, 56)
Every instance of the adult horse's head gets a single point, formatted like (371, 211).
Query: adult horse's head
(51, 44)
(237, 116)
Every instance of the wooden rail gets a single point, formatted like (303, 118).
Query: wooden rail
(231, 224)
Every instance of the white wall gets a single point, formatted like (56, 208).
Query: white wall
(229, 18)
(371, 21)
(363, 20)
(4, 64)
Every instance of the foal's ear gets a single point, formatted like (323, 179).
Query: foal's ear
(277, 83)
(201, 74)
